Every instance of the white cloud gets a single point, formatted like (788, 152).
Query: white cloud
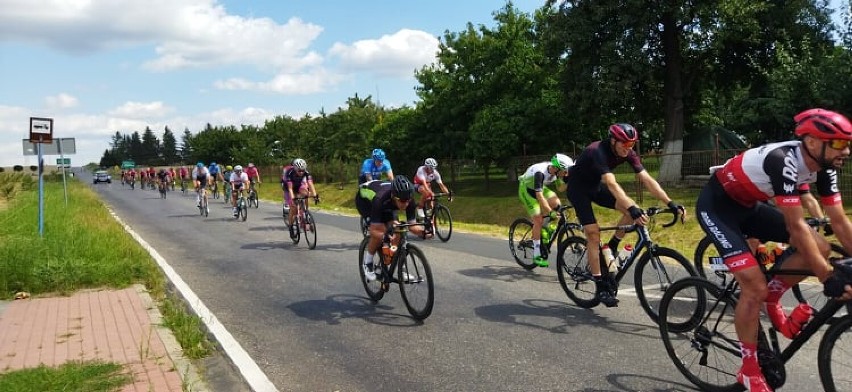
(316, 81)
(398, 54)
(61, 101)
(140, 110)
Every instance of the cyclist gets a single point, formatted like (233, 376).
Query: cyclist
(143, 177)
(380, 201)
(183, 172)
(373, 167)
(423, 183)
(152, 176)
(172, 176)
(226, 178)
(215, 174)
(299, 178)
(131, 177)
(538, 199)
(163, 178)
(253, 175)
(734, 204)
(591, 180)
(238, 179)
(200, 177)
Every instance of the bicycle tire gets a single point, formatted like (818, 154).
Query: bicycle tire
(418, 293)
(215, 191)
(521, 243)
(708, 359)
(365, 228)
(830, 356)
(656, 270)
(310, 229)
(253, 200)
(243, 210)
(374, 288)
(443, 222)
(298, 222)
(574, 274)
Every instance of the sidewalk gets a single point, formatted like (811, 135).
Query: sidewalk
(121, 326)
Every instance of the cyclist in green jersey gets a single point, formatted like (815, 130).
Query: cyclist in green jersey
(538, 199)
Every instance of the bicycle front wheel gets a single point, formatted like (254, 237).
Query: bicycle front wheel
(521, 242)
(574, 274)
(243, 209)
(254, 201)
(834, 358)
(298, 222)
(415, 282)
(698, 332)
(443, 222)
(365, 227)
(374, 288)
(654, 274)
(310, 229)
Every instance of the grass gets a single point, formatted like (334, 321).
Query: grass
(70, 377)
(82, 247)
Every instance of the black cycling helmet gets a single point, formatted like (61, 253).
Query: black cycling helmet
(401, 187)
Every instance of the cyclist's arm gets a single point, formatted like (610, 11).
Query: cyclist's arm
(810, 203)
(653, 186)
(622, 201)
(390, 174)
(802, 237)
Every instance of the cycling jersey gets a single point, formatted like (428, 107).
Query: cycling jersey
(183, 172)
(293, 177)
(373, 200)
(535, 179)
(200, 173)
(213, 170)
(584, 179)
(162, 176)
(369, 167)
(238, 180)
(423, 177)
(252, 173)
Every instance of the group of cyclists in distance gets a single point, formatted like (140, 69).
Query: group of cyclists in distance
(755, 197)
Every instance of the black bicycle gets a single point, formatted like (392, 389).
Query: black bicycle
(656, 267)
(305, 224)
(709, 265)
(699, 334)
(521, 242)
(436, 217)
(252, 196)
(404, 264)
(242, 205)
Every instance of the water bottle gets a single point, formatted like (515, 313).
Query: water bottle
(387, 253)
(798, 318)
(609, 258)
(624, 254)
(546, 230)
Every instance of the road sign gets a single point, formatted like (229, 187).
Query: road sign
(60, 146)
(41, 130)
(63, 162)
(128, 164)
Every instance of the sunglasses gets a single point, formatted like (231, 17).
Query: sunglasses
(629, 144)
(838, 144)
(401, 200)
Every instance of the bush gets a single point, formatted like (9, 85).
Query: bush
(18, 168)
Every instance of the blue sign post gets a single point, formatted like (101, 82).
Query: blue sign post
(41, 131)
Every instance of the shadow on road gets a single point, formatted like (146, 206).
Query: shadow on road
(620, 383)
(506, 273)
(335, 308)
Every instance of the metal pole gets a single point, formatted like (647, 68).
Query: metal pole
(40, 192)
(62, 161)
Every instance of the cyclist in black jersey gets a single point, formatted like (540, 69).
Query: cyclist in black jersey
(591, 180)
(734, 205)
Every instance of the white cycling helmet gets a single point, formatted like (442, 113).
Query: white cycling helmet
(300, 164)
(238, 168)
(431, 163)
(561, 161)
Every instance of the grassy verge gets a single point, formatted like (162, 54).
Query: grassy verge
(82, 247)
(72, 376)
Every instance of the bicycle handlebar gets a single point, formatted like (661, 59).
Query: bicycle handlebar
(657, 210)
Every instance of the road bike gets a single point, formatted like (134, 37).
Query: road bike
(521, 242)
(404, 264)
(242, 206)
(183, 186)
(252, 196)
(709, 264)
(437, 218)
(698, 332)
(656, 267)
(214, 188)
(163, 188)
(202, 204)
(305, 223)
(227, 192)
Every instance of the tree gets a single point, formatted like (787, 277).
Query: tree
(186, 146)
(169, 148)
(150, 148)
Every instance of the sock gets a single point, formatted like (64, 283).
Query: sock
(749, 353)
(613, 244)
(368, 259)
(536, 248)
(774, 310)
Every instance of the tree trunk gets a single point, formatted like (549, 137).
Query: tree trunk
(672, 159)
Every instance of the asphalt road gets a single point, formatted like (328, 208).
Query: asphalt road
(304, 318)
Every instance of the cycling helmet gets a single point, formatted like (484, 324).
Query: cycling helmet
(378, 154)
(401, 187)
(300, 164)
(238, 168)
(212, 163)
(561, 161)
(623, 132)
(251, 164)
(431, 163)
(199, 164)
(229, 168)
(823, 124)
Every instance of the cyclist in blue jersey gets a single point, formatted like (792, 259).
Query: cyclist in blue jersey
(215, 173)
(373, 167)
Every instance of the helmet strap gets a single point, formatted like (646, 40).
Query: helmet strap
(823, 163)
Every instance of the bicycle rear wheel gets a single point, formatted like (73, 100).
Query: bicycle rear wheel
(310, 229)
(374, 288)
(574, 274)
(443, 222)
(415, 282)
(243, 210)
(521, 242)
(834, 358)
(655, 272)
(698, 332)
(298, 222)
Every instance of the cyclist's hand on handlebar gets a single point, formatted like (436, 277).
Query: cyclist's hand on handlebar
(638, 215)
(838, 283)
(679, 209)
(450, 196)
(316, 199)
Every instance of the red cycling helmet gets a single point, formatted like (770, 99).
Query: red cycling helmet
(623, 132)
(823, 124)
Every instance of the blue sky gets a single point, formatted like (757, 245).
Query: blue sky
(101, 66)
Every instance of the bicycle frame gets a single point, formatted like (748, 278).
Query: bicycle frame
(562, 227)
(643, 244)
(388, 270)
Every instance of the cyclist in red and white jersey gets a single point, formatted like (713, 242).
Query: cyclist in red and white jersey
(253, 175)
(423, 182)
(734, 205)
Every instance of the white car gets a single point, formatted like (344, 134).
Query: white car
(102, 176)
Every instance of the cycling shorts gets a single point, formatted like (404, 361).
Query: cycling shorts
(581, 195)
(529, 201)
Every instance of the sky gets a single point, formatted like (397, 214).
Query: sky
(97, 67)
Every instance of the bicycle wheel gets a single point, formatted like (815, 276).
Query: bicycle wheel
(215, 191)
(254, 201)
(205, 206)
(655, 272)
(704, 251)
(298, 222)
(310, 229)
(374, 288)
(574, 274)
(415, 282)
(521, 242)
(834, 358)
(698, 332)
(243, 210)
(443, 222)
